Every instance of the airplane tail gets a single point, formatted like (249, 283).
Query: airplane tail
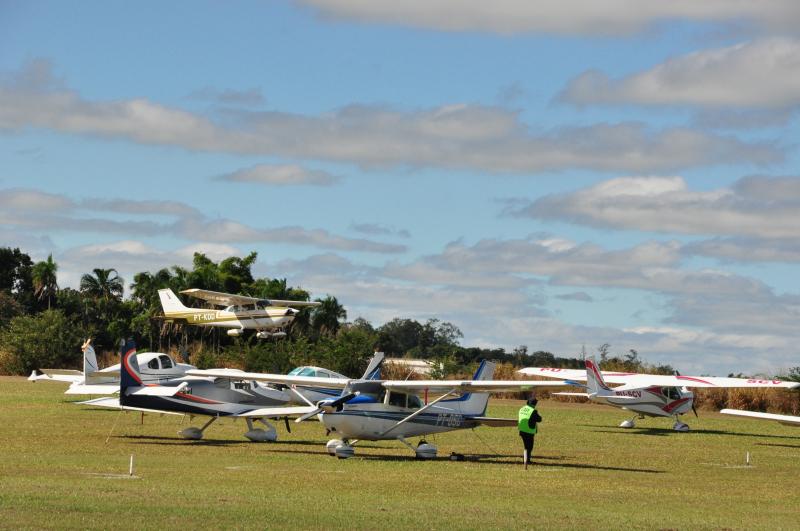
(475, 403)
(373, 371)
(129, 369)
(595, 384)
(170, 302)
(89, 359)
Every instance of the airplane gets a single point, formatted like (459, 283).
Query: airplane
(787, 420)
(153, 367)
(269, 317)
(372, 409)
(648, 395)
(211, 397)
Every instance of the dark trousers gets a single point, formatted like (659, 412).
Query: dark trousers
(527, 440)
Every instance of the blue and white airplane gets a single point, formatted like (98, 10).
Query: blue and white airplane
(371, 409)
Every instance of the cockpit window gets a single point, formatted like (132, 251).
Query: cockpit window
(166, 362)
(397, 399)
(414, 402)
(153, 364)
(303, 371)
(671, 392)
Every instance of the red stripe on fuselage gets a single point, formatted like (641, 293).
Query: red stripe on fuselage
(126, 361)
(196, 398)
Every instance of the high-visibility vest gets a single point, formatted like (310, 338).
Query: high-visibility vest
(525, 413)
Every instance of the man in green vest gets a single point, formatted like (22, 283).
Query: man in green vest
(526, 422)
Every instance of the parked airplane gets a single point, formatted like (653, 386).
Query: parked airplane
(788, 420)
(212, 397)
(391, 410)
(269, 317)
(153, 367)
(646, 394)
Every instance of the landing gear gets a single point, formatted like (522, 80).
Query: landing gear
(340, 448)
(424, 450)
(680, 426)
(630, 423)
(194, 433)
(269, 434)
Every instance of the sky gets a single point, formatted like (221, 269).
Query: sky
(555, 174)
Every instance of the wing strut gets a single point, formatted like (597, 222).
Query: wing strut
(420, 410)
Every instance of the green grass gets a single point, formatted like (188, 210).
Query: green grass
(588, 473)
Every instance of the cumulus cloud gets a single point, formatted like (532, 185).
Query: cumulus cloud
(378, 229)
(762, 207)
(757, 74)
(573, 17)
(746, 249)
(281, 175)
(472, 137)
(32, 211)
(580, 296)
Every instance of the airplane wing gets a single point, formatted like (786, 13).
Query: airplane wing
(56, 375)
(305, 381)
(788, 420)
(288, 304)
(156, 390)
(661, 380)
(113, 403)
(92, 389)
(276, 412)
(469, 385)
(218, 298)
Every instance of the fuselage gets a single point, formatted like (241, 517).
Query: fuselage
(651, 401)
(208, 396)
(237, 317)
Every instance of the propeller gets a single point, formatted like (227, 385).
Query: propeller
(324, 405)
(286, 422)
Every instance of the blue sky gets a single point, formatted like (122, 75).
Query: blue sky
(550, 174)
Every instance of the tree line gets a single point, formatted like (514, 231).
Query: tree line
(43, 324)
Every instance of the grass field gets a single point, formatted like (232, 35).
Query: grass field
(57, 471)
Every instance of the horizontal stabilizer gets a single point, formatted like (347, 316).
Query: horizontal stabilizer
(156, 390)
(92, 389)
(495, 422)
(584, 395)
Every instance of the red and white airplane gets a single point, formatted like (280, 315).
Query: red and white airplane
(650, 395)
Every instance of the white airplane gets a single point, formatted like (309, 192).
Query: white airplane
(197, 396)
(154, 367)
(788, 420)
(646, 394)
(269, 317)
(392, 410)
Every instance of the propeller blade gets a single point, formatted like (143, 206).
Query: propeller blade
(309, 415)
(286, 422)
(695, 410)
(342, 399)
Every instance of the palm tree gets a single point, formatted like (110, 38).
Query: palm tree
(45, 283)
(326, 317)
(106, 284)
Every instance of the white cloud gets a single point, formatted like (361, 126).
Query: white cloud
(761, 207)
(472, 137)
(757, 74)
(281, 175)
(581, 17)
(32, 211)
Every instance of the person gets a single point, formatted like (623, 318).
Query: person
(527, 419)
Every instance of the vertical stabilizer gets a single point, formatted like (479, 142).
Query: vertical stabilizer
(475, 403)
(129, 369)
(89, 360)
(595, 385)
(373, 371)
(170, 302)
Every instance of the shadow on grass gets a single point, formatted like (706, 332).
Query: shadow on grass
(780, 445)
(488, 459)
(178, 441)
(668, 431)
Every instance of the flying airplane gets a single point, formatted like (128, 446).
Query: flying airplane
(269, 317)
(646, 394)
(153, 367)
(211, 397)
(788, 420)
(371, 409)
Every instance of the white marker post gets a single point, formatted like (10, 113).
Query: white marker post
(130, 469)
(747, 458)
